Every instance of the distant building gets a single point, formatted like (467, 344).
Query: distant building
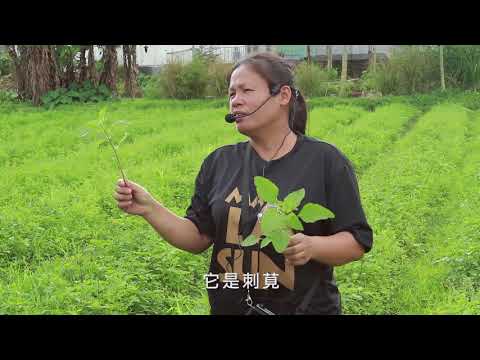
(358, 55)
(155, 56)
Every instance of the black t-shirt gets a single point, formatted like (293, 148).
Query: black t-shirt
(328, 178)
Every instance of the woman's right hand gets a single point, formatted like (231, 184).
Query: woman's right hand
(132, 198)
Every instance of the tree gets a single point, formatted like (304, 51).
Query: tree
(20, 68)
(442, 69)
(108, 77)
(329, 57)
(65, 63)
(42, 71)
(132, 89)
(309, 55)
(36, 70)
(372, 52)
(92, 69)
(43, 68)
(83, 73)
(344, 63)
(344, 70)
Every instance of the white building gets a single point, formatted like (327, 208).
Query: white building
(154, 56)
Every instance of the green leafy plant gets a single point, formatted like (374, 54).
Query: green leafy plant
(101, 126)
(101, 118)
(5, 64)
(86, 92)
(217, 79)
(280, 217)
(8, 96)
(184, 81)
(312, 80)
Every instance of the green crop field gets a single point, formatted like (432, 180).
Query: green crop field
(65, 248)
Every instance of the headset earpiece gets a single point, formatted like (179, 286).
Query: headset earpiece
(275, 90)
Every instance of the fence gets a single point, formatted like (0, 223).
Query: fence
(230, 54)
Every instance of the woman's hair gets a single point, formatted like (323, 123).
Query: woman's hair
(277, 73)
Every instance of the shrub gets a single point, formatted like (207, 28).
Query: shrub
(217, 79)
(5, 64)
(152, 87)
(368, 81)
(411, 69)
(461, 66)
(195, 80)
(7, 96)
(167, 79)
(470, 99)
(144, 79)
(184, 81)
(76, 93)
(312, 80)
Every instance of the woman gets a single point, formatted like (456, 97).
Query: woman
(269, 110)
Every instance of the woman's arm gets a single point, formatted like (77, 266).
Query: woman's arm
(178, 231)
(338, 249)
(334, 250)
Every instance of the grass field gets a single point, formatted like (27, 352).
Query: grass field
(65, 248)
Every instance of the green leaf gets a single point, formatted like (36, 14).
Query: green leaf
(266, 190)
(267, 240)
(313, 212)
(126, 138)
(272, 220)
(294, 222)
(73, 86)
(293, 200)
(249, 241)
(280, 240)
(66, 100)
(73, 94)
(89, 93)
(87, 84)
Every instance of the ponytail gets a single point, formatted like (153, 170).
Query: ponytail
(298, 114)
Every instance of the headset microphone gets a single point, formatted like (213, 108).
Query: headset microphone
(230, 118)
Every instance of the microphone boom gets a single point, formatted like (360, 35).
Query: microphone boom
(230, 118)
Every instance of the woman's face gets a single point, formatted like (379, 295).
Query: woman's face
(247, 91)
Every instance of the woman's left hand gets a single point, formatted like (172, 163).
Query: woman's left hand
(299, 250)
